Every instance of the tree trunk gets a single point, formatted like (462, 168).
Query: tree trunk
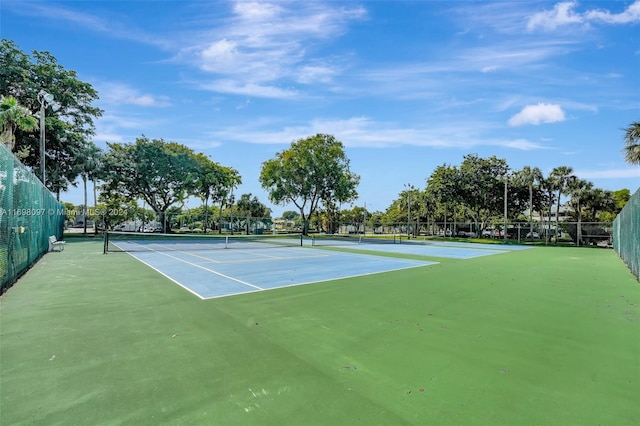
(84, 206)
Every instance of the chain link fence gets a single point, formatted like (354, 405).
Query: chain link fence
(29, 215)
(626, 234)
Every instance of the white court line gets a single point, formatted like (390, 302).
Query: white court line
(201, 267)
(211, 270)
(167, 276)
(428, 263)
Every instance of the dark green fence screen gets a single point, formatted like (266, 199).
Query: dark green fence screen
(29, 214)
(626, 234)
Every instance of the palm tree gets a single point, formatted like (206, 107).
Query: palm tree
(529, 176)
(14, 116)
(88, 165)
(578, 190)
(560, 177)
(548, 187)
(632, 143)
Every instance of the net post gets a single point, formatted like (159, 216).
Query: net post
(105, 241)
(226, 242)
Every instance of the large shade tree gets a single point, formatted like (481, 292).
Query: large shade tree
(310, 172)
(481, 186)
(160, 173)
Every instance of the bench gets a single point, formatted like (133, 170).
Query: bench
(53, 243)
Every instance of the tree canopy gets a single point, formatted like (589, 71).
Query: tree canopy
(160, 173)
(311, 172)
(67, 130)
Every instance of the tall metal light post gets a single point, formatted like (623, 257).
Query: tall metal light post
(506, 179)
(45, 99)
(408, 187)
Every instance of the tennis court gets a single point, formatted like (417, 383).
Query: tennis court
(211, 267)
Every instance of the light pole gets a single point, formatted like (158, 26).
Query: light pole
(408, 187)
(364, 220)
(506, 179)
(45, 100)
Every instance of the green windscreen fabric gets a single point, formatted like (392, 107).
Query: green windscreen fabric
(29, 215)
(626, 234)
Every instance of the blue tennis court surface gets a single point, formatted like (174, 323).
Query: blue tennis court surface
(217, 267)
(454, 250)
(217, 273)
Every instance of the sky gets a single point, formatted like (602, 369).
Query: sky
(406, 86)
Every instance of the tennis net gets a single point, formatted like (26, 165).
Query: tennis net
(339, 240)
(116, 241)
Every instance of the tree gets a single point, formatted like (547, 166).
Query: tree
(290, 215)
(481, 186)
(529, 176)
(211, 181)
(223, 194)
(632, 143)
(88, 164)
(602, 205)
(160, 173)
(22, 77)
(14, 116)
(560, 176)
(248, 206)
(578, 190)
(312, 171)
(442, 187)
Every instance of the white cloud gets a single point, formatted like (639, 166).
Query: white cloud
(310, 74)
(264, 43)
(121, 94)
(538, 114)
(630, 15)
(523, 145)
(561, 14)
(564, 13)
(248, 89)
(364, 132)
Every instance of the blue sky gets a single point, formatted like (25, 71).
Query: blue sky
(406, 86)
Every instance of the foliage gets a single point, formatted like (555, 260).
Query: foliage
(214, 181)
(22, 77)
(249, 205)
(14, 116)
(632, 143)
(312, 172)
(160, 173)
(290, 215)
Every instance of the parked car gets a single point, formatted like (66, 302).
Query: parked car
(486, 233)
(532, 236)
(468, 234)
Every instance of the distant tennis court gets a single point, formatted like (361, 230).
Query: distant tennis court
(419, 247)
